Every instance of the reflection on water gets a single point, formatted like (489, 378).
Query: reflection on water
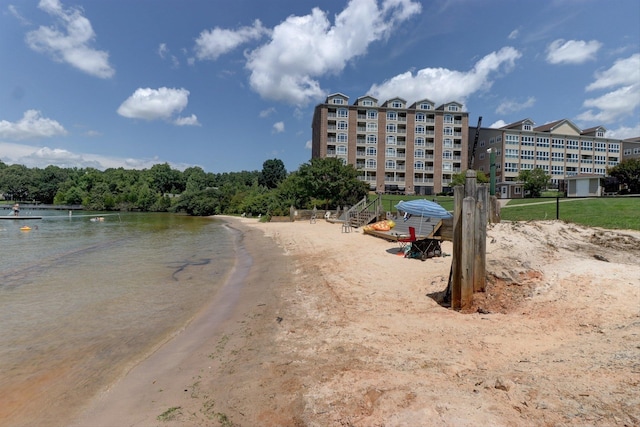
(81, 301)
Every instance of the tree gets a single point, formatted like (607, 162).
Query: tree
(627, 172)
(273, 173)
(330, 181)
(534, 181)
(461, 178)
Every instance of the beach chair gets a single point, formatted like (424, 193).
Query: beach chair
(404, 240)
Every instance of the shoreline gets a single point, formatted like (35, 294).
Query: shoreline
(174, 371)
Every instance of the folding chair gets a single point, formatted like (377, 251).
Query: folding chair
(405, 240)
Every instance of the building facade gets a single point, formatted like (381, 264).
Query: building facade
(412, 149)
(559, 148)
(631, 148)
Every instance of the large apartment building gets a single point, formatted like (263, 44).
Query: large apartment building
(559, 148)
(412, 149)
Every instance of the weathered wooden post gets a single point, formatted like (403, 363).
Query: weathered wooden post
(468, 266)
(456, 265)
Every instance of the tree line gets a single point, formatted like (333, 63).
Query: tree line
(326, 183)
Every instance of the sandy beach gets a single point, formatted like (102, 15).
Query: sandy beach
(337, 329)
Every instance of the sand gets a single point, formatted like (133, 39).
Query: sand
(336, 329)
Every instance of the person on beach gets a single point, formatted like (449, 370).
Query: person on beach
(16, 209)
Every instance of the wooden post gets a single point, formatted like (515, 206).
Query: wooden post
(468, 250)
(456, 261)
(480, 238)
(494, 211)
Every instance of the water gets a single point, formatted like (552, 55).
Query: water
(83, 301)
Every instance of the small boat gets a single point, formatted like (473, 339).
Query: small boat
(25, 228)
(97, 219)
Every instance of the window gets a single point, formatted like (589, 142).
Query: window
(527, 154)
(419, 142)
(341, 150)
(367, 103)
(447, 143)
(601, 146)
(447, 154)
(557, 170)
(526, 166)
(372, 139)
(338, 101)
(528, 140)
(452, 108)
(392, 115)
(420, 130)
(526, 127)
(512, 139)
(542, 155)
(511, 167)
(371, 151)
(557, 156)
(391, 140)
(542, 142)
(343, 112)
(572, 144)
(371, 163)
(448, 118)
(419, 154)
(342, 125)
(511, 153)
(420, 117)
(447, 166)
(372, 114)
(600, 133)
(396, 104)
(614, 148)
(557, 143)
(418, 165)
(448, 130)
(425, 106)
(342, 137)
(390, 152)
(390, 164)
(392, 127)
(372, 127)
(586, 145)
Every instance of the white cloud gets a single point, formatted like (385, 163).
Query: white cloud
(267, 112)
(622, 72)
(72, 44)
(42, 157)
(303, 48)
(572, 51)
(308, 145)
(514, 34)
(213, 43)
(32, 125)
(14, 11)
(623, 82)
(153, 104)
(443, 85)
(510, 106)
(612, 106)
(278, 127)
(192, 120)
(624, 132)
(498, 124)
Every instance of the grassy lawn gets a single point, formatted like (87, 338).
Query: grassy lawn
(609, 212)
(389, 201)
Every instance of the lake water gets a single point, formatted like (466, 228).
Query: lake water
(82, 301)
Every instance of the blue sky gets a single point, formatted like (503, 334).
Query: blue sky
(226, 85)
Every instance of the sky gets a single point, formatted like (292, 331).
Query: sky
(227, 85)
